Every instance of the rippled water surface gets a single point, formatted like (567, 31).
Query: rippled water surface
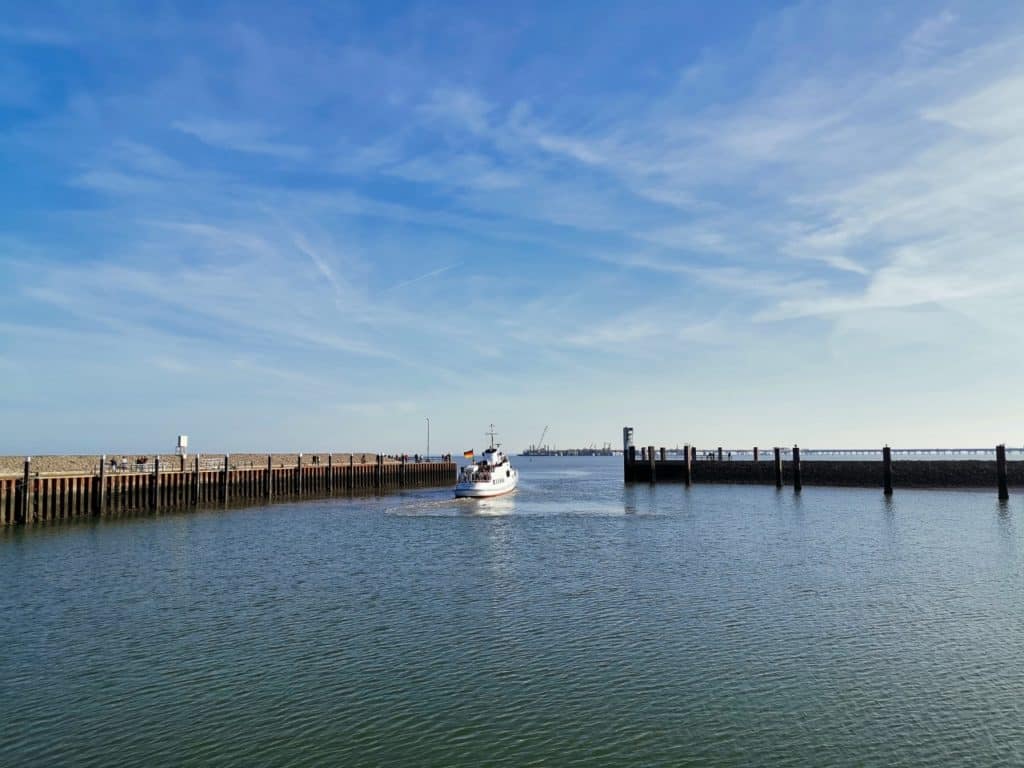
(574, 623)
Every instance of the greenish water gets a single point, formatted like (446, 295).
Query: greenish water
(576, 623)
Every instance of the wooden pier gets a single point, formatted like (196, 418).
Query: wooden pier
(791, 467)
(32, 498)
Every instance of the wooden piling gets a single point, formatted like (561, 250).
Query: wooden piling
(662, 453)
(350, 481)
(268, 491)
(1004, 491)
(798, 484)
(155, 490)
(224, 496)
(693, 453)
(887, 471)
(101, 495)
(298, 477)
(755, 453)
(23, 500)
(778, 467)
(719, 453)
(688, 468)
(195, 482)
(330, 473)
(650, 462)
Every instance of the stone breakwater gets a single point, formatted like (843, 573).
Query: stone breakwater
(14, 466)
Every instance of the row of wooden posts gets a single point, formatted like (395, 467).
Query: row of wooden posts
(33, 498)
(648, 455)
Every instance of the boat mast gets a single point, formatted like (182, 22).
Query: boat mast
(492, 433)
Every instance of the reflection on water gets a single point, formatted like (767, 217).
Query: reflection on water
(573, 622)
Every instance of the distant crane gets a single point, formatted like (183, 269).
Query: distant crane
(540, 443)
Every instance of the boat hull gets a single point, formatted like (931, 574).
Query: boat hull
(484, 490)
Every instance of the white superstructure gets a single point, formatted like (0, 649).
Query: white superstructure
(493, 475)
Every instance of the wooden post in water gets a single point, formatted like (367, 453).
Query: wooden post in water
(719, 453)
(154, 501)
(330, 473)
(401, 472)
(798, 483)
(887, 471)
(26, 492)
(101, 497)
(351, 471)
(688, 466)
(662, 453)
(269, 490)
(298, 477)
(755, 454)
(778, 467)
(380, 471)
(1004, 491)
(650, 462)
(224, 478)
(693, 453)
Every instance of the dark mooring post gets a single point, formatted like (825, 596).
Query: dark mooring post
(693, 453)
(195, 481)
(351, 471)
(101, 495)
(778, 467)
(26, 490)
(154, 500)
(755, 454)
(269, 490)
(330, 473)
(887, 470)
(662, 453)
(1004, 491)
(650, 462)
(798, 483)
(298, 477)
(719, 453)
(687, 466)
(224, 478)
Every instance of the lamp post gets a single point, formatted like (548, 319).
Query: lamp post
(428, 437)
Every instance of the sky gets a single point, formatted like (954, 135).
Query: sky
(317, 226)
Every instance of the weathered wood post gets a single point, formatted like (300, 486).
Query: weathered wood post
(755, 454)
(269, 490)
(627, 443)
(224, 478)
(298, 477)
(688, 466)
(380, 471)
(887, 471)
(101, 497)
(26, 491)
(662, 452)
(650, 462)
(778, 467)
(719, 453)
(154, 501)
(693, 453)
(351, 471)
(1004, 491)
(632, 464)
(798, 483)
(330, 473)
(195, 481)
(401, 471)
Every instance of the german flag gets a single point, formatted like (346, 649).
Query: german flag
(467, 454)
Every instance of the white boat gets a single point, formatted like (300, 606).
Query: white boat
(493, 475)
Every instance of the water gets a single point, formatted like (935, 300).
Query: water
(576, 623)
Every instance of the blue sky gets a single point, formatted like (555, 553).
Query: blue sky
(282, 228)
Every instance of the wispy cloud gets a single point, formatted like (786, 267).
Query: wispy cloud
(240, 137)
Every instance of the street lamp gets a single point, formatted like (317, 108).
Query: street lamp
(428, 437)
